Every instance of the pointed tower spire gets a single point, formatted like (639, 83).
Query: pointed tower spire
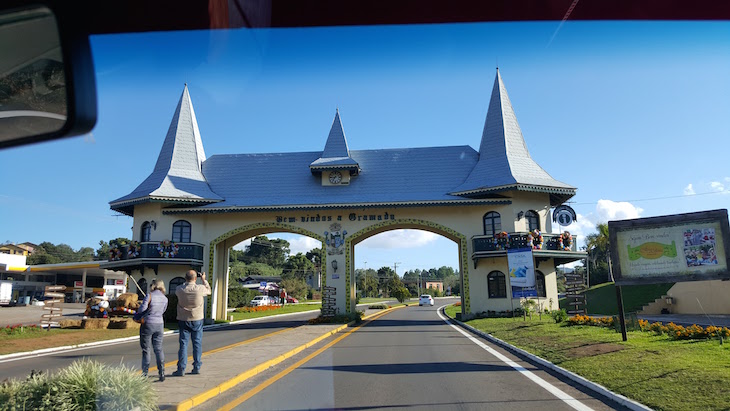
(336, 153)
(178, 173)
(504, 161)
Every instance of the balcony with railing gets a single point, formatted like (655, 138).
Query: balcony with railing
(155, 253)
(561, 247)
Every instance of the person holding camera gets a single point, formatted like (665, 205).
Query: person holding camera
(190, 314)
(150, 314)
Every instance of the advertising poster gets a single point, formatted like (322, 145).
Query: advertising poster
(521, 267)
(693, 248)
(520, 292)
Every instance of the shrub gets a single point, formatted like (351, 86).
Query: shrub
(84, 385)
(377, 307)
(559, 315)
(240, 296)
(339, 318)
(20, 329)
(401, 294)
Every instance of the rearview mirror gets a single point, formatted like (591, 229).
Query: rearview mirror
(45, 78)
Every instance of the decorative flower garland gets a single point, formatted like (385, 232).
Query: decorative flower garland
(167, 249)
(535, 239)
(133, 251)
(501, 241)
(565, 241)
(115, 254)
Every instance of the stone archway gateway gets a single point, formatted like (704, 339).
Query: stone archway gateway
(192, 209)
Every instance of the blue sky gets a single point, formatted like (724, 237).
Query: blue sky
(634, 114)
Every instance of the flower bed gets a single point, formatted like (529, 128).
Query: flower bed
(257, 309)
(673, 331)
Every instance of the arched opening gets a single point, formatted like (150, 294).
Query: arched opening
(174, 283)
(142, 288)
(540, 284)
(396, 235)
(492, 223)
(533, 220)
(145, 232)
(181, 231)
(263, 258)
(497, 285)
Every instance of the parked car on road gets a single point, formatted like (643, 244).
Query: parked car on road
(260, 300)
(291, 300)
(425, 299)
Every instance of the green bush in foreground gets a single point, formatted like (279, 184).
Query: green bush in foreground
(377, 307)
(84, 385)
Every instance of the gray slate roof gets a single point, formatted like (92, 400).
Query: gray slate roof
(336, 154)
(177, 176)
(504, 162)
(406, 176)
(277, 180)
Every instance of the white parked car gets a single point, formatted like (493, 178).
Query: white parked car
(260, 300)
(425, 299)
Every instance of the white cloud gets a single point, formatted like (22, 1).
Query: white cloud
(689, 190)
(607, 210)
(242, 245)
(717, 186)
(400, 239)
(302, 244)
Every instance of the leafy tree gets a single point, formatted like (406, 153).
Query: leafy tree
(411, 274)
(598, 254)
(272, 252)
(295, 287)
(240, 296)
(315, 256)
(367, 282)
(401, 293)
(297, 266)
(102, 253)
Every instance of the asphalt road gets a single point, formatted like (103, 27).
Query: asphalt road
(130, 354)
(411, 359)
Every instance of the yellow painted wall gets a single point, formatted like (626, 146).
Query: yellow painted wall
(713, 296)
(466, 220)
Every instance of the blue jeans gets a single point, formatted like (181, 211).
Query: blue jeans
(151, 335)
(194, 330)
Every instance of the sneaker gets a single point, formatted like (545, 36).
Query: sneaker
(195, 371)
(178, 373)
(162, 378)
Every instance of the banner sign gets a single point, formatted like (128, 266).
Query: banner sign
(683, 247)
(521, 292)
(521, 267)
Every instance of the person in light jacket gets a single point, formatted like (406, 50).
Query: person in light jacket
(190, 316)
(151, 332)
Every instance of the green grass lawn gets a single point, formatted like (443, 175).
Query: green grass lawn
(658, 372)
(289, 308)
(601, 298)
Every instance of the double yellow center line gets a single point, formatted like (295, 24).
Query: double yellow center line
(296, 365)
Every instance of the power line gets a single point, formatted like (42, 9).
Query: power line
(655, 198)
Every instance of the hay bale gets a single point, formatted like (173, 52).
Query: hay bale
(70, 323)
(127, 300)
(123, 324)
(95, 323)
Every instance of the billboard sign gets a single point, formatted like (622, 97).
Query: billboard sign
(673, 248)
(524, 292)
(521, 267)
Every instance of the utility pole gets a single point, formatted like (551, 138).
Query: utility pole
(395, 267)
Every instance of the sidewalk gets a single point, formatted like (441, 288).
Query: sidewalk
(225, 368)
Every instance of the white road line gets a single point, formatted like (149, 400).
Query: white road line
(562, 395)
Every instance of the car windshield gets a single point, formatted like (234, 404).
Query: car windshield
(617, 120)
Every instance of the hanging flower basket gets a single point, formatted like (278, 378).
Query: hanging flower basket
(167, 249)
(115, 254)
(133, 251)
(535, 239)
(501, 241)
(565, 241)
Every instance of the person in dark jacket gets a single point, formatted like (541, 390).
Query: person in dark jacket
(151, 332)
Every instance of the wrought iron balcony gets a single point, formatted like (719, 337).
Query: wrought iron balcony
(550, 242)
(158, 250)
